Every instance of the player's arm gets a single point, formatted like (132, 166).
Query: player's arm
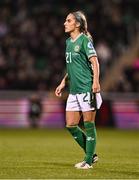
(95, 64)
(58, 91)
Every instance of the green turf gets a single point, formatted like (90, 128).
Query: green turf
(52, 154)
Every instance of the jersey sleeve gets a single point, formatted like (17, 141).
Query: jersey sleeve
(89, 48)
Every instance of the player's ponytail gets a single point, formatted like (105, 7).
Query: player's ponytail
(80, 17)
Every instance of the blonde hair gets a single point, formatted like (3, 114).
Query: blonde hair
(81, 18)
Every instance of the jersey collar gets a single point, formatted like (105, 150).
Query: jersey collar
(76, 37)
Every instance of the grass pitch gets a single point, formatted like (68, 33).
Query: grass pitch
(45, 154)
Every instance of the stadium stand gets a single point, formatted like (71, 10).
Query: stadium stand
(32, 39)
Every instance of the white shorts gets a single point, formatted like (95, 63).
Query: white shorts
(84, 102)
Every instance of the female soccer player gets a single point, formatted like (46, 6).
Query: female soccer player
(83, 75)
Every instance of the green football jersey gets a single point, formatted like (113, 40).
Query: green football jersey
(79, 69)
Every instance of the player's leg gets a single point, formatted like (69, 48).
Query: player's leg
(89, 114)
(73, 116)
(89, 124)
(72, 121)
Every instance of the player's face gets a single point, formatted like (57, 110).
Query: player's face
(70, 23)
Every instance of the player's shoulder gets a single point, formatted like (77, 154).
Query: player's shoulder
(87, 39)
(68, 39)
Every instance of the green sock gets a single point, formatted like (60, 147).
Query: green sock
(78, 135)
(90, 141)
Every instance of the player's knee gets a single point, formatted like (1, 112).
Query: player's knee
(89, 116)
(89, 120)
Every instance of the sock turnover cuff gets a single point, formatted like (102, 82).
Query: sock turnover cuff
(69, 126)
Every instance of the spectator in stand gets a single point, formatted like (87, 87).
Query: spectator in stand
(104, 55)
(35, 111)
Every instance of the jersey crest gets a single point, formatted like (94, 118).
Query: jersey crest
(77, 48)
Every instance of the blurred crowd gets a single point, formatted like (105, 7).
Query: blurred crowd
(32, 38)
(129, 79)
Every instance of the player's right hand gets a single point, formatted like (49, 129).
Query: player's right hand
(58, 91)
